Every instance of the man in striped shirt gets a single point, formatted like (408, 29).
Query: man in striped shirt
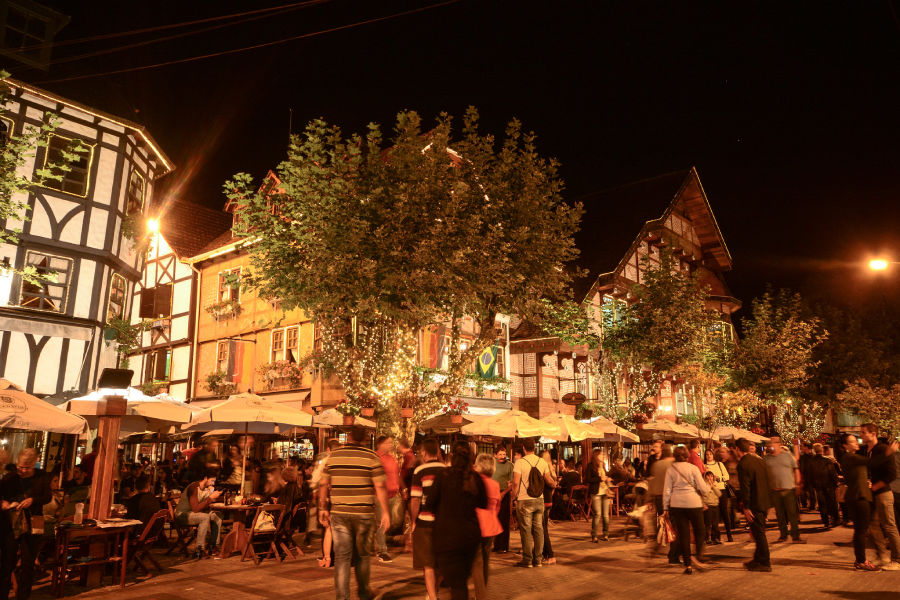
(423, 521)
(351, 482)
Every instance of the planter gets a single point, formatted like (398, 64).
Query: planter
(456, 418)
(639, 425)
(348, 419)
(406, 413)
(368, 412)
(587, 414)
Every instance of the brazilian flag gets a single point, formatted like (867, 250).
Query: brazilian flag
(487, 363)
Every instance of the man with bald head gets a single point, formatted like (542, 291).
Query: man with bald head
(25, 492)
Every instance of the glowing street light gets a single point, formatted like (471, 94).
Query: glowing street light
(881, 265)
(153, 225)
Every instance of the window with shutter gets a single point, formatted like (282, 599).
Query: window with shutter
(148, 300)
(277, 344)
(163, 365)
(162, 306)
(222, 356)
(292, 344)
(117, 289)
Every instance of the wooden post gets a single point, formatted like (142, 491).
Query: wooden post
(585, 457)
(110, 411)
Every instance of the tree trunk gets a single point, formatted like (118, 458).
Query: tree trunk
(391, 423)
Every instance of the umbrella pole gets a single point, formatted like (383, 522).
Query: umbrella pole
(244, 461)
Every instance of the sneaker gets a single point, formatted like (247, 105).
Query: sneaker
(198, 552)
(798, 541)
(537, 565)
(891, 566)
(688, 571)
(524, 564)
(385, 558)
(780, 540)
(866, 566)
(755, 566)
(675, 563)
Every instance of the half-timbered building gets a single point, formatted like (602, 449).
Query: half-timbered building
(166, 297)
(622, 233)
(53, 334)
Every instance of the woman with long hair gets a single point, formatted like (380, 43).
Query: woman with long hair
(455, 494)
(858, 496)
(547, 557)
(597, 481)
(490, 524)
(683, 494)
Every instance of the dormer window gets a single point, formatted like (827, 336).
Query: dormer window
(135, 202)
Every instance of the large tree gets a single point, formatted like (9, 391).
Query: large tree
(428, 228)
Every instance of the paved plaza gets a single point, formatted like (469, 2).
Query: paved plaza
(823, 568)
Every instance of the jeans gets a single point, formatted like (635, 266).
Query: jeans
(455, 567)
(683, 520)
(785, 502)
(883, 517)
(600, 505)
(396, 509)
(352, 535)
(711, 523)
(725, 514)
(501, 541)
(531, 528)
(210, 522)
(28, 545)
(828, 506)
(758, 531)
(896, 507)
(547, 552)
(481, 568)
(859, 512)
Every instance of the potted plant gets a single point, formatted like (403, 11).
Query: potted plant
(347, 409)
(367, 406)
(456, 409)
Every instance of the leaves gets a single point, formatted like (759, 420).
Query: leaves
(877, 405)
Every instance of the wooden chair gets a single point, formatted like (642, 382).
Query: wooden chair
(267, 538)
(578, 503)
(184, 533)
(139, 548)
(287, 530)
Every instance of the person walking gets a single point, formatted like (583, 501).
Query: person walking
(503, 473)
(528, 493)
(683, 494)
(598, 488)
(490, 525)
(23, 494)
(547, 557)
(822, 478)
(351, 482)
(720, 481)
(729, 459)
(881, 477)
(384, 447)
(422, 520)
(858, 497)
(455, 495)
(784, 475)
(807, 492)
(755, 501)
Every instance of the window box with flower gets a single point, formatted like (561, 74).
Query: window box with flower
(225, 308)
(281, 373)
(348, 410)
(456, 409)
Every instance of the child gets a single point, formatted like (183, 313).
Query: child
(711, 513)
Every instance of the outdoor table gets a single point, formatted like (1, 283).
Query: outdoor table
(118, 530)
(236, 540)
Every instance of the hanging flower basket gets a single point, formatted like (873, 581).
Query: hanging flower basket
(349, 419)
(406, 413)
(456, 419)
(368, 411)
(639, 425)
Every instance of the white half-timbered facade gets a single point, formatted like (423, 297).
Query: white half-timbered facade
(52, 335)
(167, 296)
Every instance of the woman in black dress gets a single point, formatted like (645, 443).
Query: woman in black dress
(455, 494)
(858, 497)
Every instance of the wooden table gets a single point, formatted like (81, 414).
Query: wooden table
(236, 540)
(120, 541)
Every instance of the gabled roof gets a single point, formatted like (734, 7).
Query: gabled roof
(616, 219)
(188, 228)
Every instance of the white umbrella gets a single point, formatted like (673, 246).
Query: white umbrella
(512, 423)
(20, 410)
(612, 432)
(252, 413)
(572, 429)
(143, 413)
(734, 433)
(333, 418)
(701, 433)
(667, 429)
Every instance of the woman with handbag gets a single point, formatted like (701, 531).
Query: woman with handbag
(721, 477)
(597, 481)
(683, 494)
(23, 495)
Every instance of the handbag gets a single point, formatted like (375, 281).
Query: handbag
(661, 538)
(37, 525)
(729, 491)
(670, 530)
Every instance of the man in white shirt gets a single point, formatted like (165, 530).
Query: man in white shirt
(530, 506)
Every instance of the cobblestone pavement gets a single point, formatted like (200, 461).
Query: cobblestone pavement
(823, 568)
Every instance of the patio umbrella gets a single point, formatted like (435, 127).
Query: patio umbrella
(20, 410)
(572, 429)
(510, 424)
(143, 413)
(335, 419)
(665, 429)
(252, 413)
(734, 433)
(701, 433)
(612, 432)
(442, 424)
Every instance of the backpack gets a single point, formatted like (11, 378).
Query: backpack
(535, 486)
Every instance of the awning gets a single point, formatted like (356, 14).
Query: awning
(42, 328)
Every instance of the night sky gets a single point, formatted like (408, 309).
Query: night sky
(789, 110)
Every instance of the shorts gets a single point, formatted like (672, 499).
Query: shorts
(423, 547)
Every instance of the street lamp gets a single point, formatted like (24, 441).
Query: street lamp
(881, 264)
(153, 225)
